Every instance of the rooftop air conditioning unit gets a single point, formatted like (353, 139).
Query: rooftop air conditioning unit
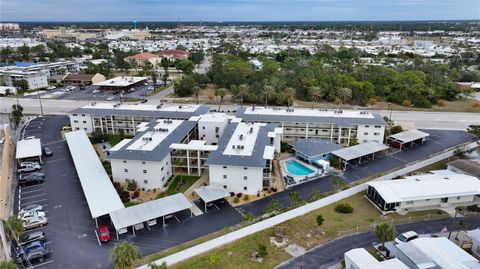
(242, 147)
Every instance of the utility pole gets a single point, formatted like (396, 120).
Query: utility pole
(40, 101)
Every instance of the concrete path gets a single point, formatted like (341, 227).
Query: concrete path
(195, 210)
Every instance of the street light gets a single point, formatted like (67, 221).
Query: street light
(40, 101)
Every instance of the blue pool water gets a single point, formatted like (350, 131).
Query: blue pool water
(297, 169)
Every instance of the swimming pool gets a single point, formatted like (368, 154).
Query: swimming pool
(297, 169)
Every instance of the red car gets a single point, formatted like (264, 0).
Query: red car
(103, 233)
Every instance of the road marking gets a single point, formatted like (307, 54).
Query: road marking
(33, 196)
(25, 192)
(29, 187)
(34, 202)
(41, 264)
(57, 207)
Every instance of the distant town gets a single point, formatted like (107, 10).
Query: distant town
(240, 145)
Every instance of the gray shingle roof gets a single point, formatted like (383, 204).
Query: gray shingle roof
(160, 151)
(255, 160)
(314, 147)
(96, 112)
(341, 122)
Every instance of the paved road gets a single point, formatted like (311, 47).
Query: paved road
(332, 253)
(424, 120)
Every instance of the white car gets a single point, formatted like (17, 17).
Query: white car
(406, 237)
(35, 222)
(30, 208)
(30, 215)
(110, 98)
(95, 91)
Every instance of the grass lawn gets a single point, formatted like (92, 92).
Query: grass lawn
(180, 184)
(113, 139)
(302, 231)
(157, 90)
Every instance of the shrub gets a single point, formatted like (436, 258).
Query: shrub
(245, 198)
(239, 194)
(473, 208)
(442, 102)
(131, 184)
(262, 250)
(236, 200)
(135, 194)
(406, 102)
(232, 194)
(118, 187)
(344, 208)
(319, 220)
(372, 101)
(124, 196)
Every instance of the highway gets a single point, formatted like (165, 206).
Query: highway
(423, 120)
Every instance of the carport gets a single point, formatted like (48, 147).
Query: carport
(409, 137)
(29, 148)
(211, 193)
(102, 198)
(138, 214)
(346, 155)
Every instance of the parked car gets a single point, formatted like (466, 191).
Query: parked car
(2, 140)
(33, 256)
(23, 164)
(29, 247)
(406, 237)
(47, 151)
(144, 100)
(103, 233)
(30, 208)
(110, 98)
(31, 215)
(131, 90)
(35, 222)
(29, 168)
(32, 236)
(31, 179)
(96, 91)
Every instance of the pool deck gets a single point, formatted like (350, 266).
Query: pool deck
(299, 179)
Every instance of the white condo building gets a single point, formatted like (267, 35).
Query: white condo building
(34, 79)
(146, 158)
(211, 126)
(243, 161)
(339, 126)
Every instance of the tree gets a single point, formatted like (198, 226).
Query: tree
(124, 255)
(385, 232)
(16, 115)
(196, 91)
(196, 56)
(344, 94)
(295, 199)
(21, 84)
(268, 91)
(316, 93)
(338, 183)
(157, 266)
(186, 66)
(290, 96)
(220, 92)
(8, 265)
(273, 207)
(319, 220)
(13, 227)
(474, 130)
(165, 63)
(201, 79)
(243, 90)
(315, 195)
(184, 86)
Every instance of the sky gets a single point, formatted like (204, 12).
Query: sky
(238, 10)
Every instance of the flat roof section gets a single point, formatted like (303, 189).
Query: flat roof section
(429, 186)
(196, 145)
(129, 216)
(314, 147)
(409, 136)
(243, 139)
(360, 150)
(363, 259)
(102, 198)
(212, 192)
(28, 148)
(121, 81)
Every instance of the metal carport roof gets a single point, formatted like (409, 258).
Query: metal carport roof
(409, 136)
(212, 192)
(102, 198)
(28, 148)
(130, 216)
(359, 150)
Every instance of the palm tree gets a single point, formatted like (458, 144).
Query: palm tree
(14, 227)
(165, 63)
(220, 92)
(243, 90)
(267, 92)
(196, 91)
(344, 94)
(290, 95)
(124, 254)
(385, 232)
(316, 93)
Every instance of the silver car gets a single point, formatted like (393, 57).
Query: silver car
(35, 222)
(30, 208)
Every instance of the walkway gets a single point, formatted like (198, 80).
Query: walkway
(331, 253)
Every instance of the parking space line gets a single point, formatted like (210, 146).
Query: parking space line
(33, 196)
(25, 192)
(34, 202)
(29, 187)
(41, 264)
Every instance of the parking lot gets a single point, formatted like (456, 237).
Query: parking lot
(90, 93)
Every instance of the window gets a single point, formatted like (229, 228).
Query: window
(378, 126)
(83, 115)
(144, 171)
(161, 169)
(409, 202)
(365, 133)
(377, 134)
(76, 128)
(85, 129)
(124, 161)
(245, 188)
(444, 200)
(125, 170)
(224, 186)
(84, 121)
(74, 114)
(217, 136)
(145, 181)
(245, 168)
(75, 121)
(224, 167)
(245, 177)
(367, 126)
(203, 128)
(224, 176)
(163, 178)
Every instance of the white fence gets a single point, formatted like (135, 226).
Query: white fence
(299, 211)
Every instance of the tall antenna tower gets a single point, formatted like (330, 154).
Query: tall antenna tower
(135, 25)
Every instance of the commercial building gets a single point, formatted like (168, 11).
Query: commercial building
(146, 157)
(109, 118)
(339, 126)
(428, 191)
(243, 161)
(34, 79)
(359, 258)
(53, 71)
(142, 58)
(83, 79)
(121, 83)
